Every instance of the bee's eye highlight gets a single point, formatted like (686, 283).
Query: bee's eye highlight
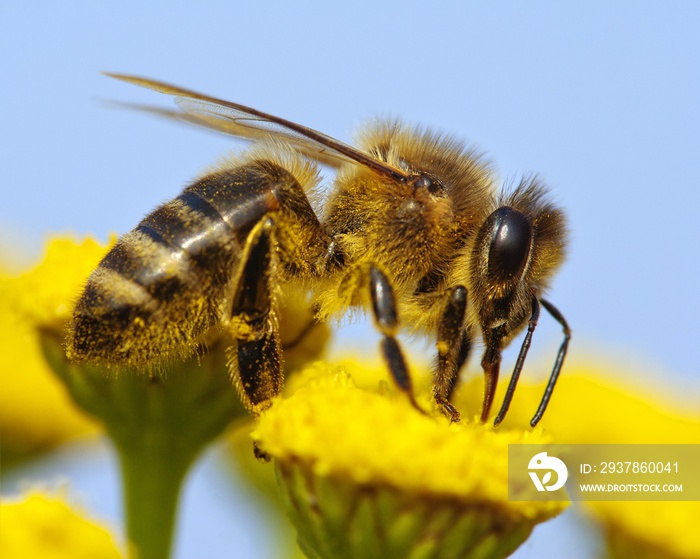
(511, 239)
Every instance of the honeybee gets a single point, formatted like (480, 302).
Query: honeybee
(414, 230)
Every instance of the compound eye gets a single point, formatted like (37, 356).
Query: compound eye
(511, 240)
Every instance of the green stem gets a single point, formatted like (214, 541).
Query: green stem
(152, 476)
(159, 424)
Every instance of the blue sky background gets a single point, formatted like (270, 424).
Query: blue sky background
(601, 99)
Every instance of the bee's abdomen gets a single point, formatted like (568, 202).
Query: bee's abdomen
(163, 284)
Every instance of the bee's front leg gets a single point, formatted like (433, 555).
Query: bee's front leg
(531, 325)
(491, 364)
(551, 309)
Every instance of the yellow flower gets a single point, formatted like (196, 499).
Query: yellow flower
(35, 410)
(642, 529)
(364, 474)
(650, 529)
(158, 424)
(589, 407)
(47, 527)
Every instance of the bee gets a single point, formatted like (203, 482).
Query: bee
(414, 230)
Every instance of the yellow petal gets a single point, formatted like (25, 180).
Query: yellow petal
(43, 526)
(35, 410)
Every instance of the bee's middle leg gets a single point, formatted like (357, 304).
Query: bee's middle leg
(386, 319)
(453, 345)
(255, 359)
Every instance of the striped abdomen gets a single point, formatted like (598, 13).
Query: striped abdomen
(165, 283)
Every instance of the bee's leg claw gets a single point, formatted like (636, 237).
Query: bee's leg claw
(259, 453)
(448, 409)
(417, 407)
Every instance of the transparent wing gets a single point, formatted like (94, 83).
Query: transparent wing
(243, 125)
(216, 123)
(247, 122)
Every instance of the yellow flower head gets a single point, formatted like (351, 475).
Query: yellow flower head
(348, 456)
(158, 423)
(35, 411)
(626, 415)
(46, 293)
(41, 526)
(590, 407)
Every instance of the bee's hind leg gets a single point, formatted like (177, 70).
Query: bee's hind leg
(255, 358)
(386, 319)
